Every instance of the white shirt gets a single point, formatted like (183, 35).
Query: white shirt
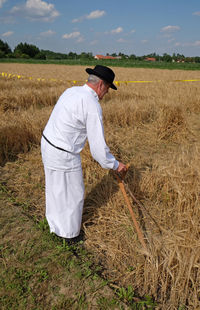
(76, 117)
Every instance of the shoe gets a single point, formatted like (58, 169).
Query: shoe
(75, 240)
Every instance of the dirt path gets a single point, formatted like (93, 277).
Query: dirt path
(39, 272)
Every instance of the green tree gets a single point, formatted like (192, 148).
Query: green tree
(197, 59)
(166, 57)
(40, 55)
(132, 57)
(72, 55)
(84, 55)
(4, 49)
(123, 56)
(188, 59)
(26, 49)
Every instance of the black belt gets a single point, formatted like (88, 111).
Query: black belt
(57, 147)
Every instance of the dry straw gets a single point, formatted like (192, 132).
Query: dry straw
(154, 127)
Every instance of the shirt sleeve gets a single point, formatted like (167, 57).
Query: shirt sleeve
(98, 148)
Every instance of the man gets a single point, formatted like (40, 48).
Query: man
(77, 116)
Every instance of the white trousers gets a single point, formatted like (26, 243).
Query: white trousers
(64, 192)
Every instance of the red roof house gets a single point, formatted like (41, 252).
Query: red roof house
(104, 57)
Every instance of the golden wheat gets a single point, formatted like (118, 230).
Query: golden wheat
(154, 127)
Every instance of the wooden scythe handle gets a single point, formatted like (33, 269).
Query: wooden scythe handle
(139, 232)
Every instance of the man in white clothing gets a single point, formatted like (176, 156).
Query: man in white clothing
(76, 117)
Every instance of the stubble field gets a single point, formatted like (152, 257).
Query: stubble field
(152, 126)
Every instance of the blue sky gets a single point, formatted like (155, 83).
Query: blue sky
(135, 27)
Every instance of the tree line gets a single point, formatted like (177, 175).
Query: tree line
(25, 50)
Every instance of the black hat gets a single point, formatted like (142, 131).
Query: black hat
(103, 73)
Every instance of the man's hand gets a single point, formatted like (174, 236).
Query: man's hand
(121, 168)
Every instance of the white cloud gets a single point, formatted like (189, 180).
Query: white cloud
(186, 44)
(117, 30)
(76, 35)
(36, 10)
(47, 33)
(92, 15)
(133, 31)
(170, 29)
(7, 34)
(72, 35)
(7, 20)
(80, 39)
(121, 40)
(196, 43)
(144, 41)
(2, 2)
(197, 13)
(96, 14)
(16, 9)
(93, 42)
(171, 40)
(77, 20)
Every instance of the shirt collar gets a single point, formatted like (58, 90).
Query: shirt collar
(91, 90)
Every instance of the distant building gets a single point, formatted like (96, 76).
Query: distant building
(105, 57)
(150, 59)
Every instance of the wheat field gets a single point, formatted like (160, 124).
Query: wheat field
(152, 126)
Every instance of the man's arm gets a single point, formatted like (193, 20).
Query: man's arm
(98, 147)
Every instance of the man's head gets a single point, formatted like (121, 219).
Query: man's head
(100, 87)
(100, 79)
